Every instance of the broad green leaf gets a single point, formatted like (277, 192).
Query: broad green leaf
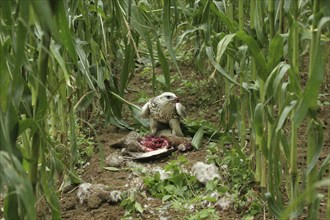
(45, 16)
(85, 101)
(274, 79)
(279, 77)
(284, 143)
(290, 210)
(138, 23)
(100, 77)
(273, 205)
(184, 34)
(5, 81)
(27, 124)
(64, 31)
(198, 138)
(324, 166)
(316, 76)
(259, 22)
(293, 44)
(136, 112)
(126, 68)
(258, 119)
(56, 53)
(275, 52)
(138, 207)
(166, 197)
(284, 115)
(164, 64)
(83, 65)
(6, 9)
(231, 25)
(222, 46)
(315, 131)
(210, 55)
(14, 176)
(22, 30)
(206, 21)
(256, 54)
(168, 32)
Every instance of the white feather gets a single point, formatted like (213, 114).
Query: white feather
(180, 109)
(145, 111)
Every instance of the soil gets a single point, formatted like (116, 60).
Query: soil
(203, 94)
(94, 173)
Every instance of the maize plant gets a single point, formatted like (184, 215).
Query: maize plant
(65, 63)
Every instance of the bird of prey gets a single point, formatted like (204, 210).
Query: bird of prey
(164, 109)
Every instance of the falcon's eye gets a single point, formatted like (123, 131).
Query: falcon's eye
(169, 97)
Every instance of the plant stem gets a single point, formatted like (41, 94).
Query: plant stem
(244, 100)
(39, 110)
(271, 14)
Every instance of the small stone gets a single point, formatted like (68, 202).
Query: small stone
(115, 160)
(205, 172)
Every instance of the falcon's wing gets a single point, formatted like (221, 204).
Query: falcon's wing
(145, 111)
(180, 109)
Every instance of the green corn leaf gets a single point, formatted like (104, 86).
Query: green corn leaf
(210, 55)
(27, 124)
(13, 201)
(273, 80)
(275, 52)
(259, 22)
(6, 9)
(184, 34)
(285, 144)
(283, 91)
(284, 115)
(316, 132)
(167, 32)
(324, 167)
(290, 212)
(44, 12)
(49, 191)
(136, 112)
(197, 139)
(276, 210)
(5, 81)
(315, 80)
(21, 35)
(100, 77)
(206, 22)
(126, 68)
(56, 53)
(268, 83)
(22, 29)
(222, 46)
(64, 31)
(13, 175)
(258, 119)
(279, 77)
(85, 101)
(83, 65)
(293, 57)
(139, 24)
(164, 64)
(256, 54)
(231, 25)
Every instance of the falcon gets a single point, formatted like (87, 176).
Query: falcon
(164, 109)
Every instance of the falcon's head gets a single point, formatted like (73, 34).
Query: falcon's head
(167, 98)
